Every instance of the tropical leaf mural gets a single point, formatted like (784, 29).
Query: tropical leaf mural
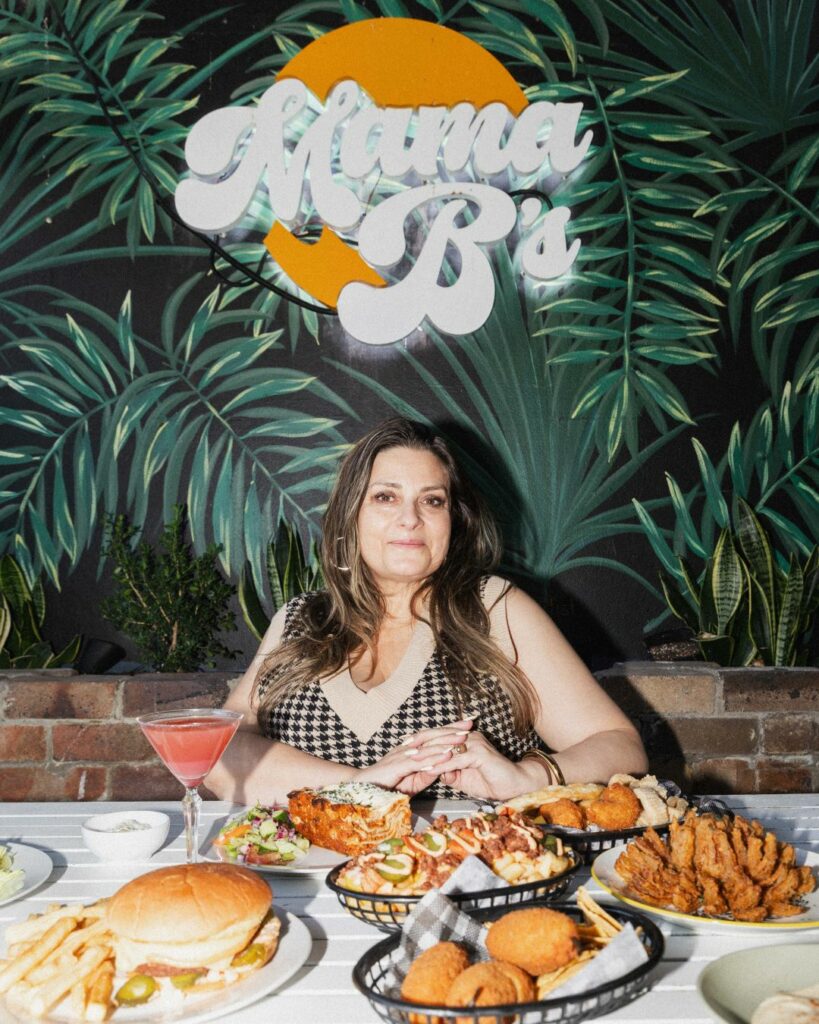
(674, 371)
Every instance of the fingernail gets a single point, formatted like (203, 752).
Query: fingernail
(427, 768)
(406, 741)
(413, 750)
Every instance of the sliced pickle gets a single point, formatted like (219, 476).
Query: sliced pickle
(390, 845)
(247, 957)
(395, 869)
(435, 842)
(185, 980)
(137, 990)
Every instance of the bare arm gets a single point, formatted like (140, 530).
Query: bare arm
(254, 767)
(592, 737)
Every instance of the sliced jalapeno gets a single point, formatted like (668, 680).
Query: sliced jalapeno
(136, 990)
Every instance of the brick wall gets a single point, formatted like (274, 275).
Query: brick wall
(717, 730)
(69, 737)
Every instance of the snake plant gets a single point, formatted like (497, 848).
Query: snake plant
(745, 609)
(289, 574)
(22, 613)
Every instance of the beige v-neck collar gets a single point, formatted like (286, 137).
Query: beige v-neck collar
(364, 713)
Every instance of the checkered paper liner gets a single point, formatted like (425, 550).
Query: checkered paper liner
(437, 919)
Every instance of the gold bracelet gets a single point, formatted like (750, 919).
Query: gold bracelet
(552, 766)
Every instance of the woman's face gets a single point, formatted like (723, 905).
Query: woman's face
(404, 519)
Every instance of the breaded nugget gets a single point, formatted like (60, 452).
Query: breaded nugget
(537, 939)
(617, 807)
(563, 812)
(484, 984)
(524, 983)
(431, 974)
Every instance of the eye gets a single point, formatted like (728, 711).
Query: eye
(383, 496)
(436, 500)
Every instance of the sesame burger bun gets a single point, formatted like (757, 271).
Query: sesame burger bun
(188, 915)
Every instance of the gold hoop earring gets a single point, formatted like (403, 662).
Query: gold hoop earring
(341, 568)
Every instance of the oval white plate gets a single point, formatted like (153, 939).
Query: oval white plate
(734, 985)
(36, 864)
(605, 875)
(294, 948)
(318, 860)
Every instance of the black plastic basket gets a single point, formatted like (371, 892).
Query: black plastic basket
(589, 844)
(390, 912)
(371, 976)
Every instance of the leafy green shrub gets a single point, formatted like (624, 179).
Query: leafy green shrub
(22, 613)
(172, 604)
(745, 609)
(288, 572)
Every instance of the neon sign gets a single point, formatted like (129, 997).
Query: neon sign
(419, 135)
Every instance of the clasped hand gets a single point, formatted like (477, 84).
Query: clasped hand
(458, 755)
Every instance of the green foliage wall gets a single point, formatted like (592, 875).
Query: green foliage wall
(136, 373)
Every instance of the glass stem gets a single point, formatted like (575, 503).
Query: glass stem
(191, 802)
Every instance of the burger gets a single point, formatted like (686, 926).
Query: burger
(196, 926)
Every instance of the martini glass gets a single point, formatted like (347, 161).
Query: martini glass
(190, 743)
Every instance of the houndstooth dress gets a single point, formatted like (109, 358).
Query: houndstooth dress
(307, 720)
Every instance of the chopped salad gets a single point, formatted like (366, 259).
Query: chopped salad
(261, 835)
(11, 878)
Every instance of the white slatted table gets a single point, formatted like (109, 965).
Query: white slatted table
(322, 992)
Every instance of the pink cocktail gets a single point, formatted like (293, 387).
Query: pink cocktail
(190, 742)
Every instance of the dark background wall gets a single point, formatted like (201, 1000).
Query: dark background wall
(692, 307)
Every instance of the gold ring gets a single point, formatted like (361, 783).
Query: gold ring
(459, 749)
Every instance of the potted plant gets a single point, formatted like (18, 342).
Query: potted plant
(22, 614)
(289, 574)
(171, 602)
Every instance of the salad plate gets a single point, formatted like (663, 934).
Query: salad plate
(605, 874)
(313, 860)
(35, 864)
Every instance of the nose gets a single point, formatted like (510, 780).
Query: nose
(408, 515)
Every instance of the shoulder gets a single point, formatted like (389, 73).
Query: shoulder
(494, 590)
(515, 618)
(297, 613)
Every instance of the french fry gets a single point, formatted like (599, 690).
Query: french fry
(34, 927)
(39, 951)
(597, 916)
(76, 999)
(49, 968)
(100, 988)
(43, 997)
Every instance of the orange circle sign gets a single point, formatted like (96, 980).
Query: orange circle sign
(399, 62)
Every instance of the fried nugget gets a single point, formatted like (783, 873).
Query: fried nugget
(524, 983)
(484, 984)
(537, 939)
(431, 974)
(617, 807)
(563, 812)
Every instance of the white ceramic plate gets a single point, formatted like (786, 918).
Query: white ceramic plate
(604, 874)
(317, 861)
(294, 948)
(36, 864)
(734, 985)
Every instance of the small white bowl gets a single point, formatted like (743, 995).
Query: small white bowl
(139, 844)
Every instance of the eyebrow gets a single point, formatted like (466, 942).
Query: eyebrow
(388, 483)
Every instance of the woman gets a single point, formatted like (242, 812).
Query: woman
(416, 668)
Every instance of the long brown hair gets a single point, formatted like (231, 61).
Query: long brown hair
(348, 614)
